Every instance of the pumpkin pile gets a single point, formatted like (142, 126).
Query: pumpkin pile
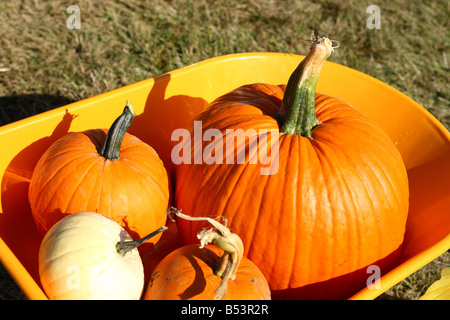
(335, 203)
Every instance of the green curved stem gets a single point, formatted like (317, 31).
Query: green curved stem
(297, 113)
(113, 140)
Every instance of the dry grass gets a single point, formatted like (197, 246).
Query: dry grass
(414, 286)
(121, 42)
(44, 65)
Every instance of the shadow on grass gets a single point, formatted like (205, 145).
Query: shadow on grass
(17, 107)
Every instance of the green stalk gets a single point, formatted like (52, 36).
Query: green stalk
(123, 247)
(113, 141)
(297, 112)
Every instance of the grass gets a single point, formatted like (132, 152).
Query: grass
(43, 64)
(414, 286)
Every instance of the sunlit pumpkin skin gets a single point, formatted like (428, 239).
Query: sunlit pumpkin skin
(72, 176)
(78, 260)
(187, 274)
(337, 204)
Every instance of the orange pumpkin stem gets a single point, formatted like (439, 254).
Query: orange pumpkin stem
(223, 238)
(113, 140)
(297, 112)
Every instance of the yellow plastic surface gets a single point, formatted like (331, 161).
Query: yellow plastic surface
(170, 101)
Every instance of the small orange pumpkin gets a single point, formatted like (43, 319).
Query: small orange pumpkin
(109, 172)
(208, 272)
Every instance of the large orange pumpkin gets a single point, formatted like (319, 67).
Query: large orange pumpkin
(107, 171)
(335, 202)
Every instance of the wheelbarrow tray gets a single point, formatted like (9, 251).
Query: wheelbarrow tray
(170, 101)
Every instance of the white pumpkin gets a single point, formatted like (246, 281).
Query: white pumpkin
(78, 259)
